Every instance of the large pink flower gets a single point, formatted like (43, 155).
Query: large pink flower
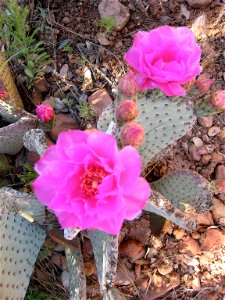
(89, 183)
(164, 58)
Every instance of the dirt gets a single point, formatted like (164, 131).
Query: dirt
(76, 22)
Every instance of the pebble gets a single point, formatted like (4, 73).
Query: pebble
(179, 233)
(89, 268)
(189, 246)
(193, 150)
(205, 219)
(197, 141)
(165, 268)
(63, 122)
(205, 122)
(87, 80)
(114, 9)
(220, 172)
(195, 235)
(206, 159)
(133, 249)
(103, 39)
(196, 283)
(198, 3)
(221, 134)
(214, 239)
(218, 211)
(140, 234)
(66, 20)
(65, 279)
(42, 85)
(63, 71)
(213, 131)
(99, 100)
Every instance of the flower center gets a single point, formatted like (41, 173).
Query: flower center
(91, 179)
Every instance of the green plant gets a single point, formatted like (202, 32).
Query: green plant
(33, 293)
(20, 43)
(30, 174)
(86, 112)
(106, 24)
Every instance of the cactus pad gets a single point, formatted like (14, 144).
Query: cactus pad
(76, 272)
(159, 205)
(105, 247)
(164, 120)
(11, 136)
(20, 243)
(23, 203)
(186, 190)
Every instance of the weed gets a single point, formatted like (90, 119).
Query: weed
(44, 253)
(33, 293)
(30, 174)
(107, 24)
(20, 43)
(86, 112)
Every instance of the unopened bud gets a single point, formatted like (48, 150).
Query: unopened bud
(3, 94)
(218, 100)
(132, 134)
(127, 110)
(128, 85)
(45, 113)
(203, 84)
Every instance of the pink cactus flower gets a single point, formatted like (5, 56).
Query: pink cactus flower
(164, 58)
(132, 134)
(127, 110)
(3, 94)
(128, 85)
(89, 183)
(45, 112)
(218, 100)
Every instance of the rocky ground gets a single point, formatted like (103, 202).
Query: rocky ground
(87, 63)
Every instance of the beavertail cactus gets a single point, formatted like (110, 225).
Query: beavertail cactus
(203, 84)
(45, 113)
(128, 85)
(132, 134)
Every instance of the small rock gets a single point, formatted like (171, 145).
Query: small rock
(220, 172)
(36, 96)
(218, 211)
(198, 3)
(213, 131)
(33, 156)
(184, 11)
(137, 270)
(103, 39)
(216, 158)
(63, 122)
(56, 260)
(206, 159)
(193, 150)
(179, 233)
(140, 234)
(87, 81)
(221, 134)
(165, 269)
(199, 26)
(197, 141)
(205, 122)
(205, 219)
(114, 9)
(204, 259)
(118, 45)
(133, 249)
(65, 279)
(189, 246)
(195, 235)
(99, 100)
(41, 85)
(214, 239)
(66, 20)
(196, 284)
(124, 276)
(63, 71)
(89, 268)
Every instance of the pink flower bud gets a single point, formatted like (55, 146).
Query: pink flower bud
(220, 185)
(203, 84)
(128, 85)
(3, 94)
(132, 134)
(218, 100)
(45, 113)
(127, 110)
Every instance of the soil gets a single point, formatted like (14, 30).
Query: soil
(75, 23)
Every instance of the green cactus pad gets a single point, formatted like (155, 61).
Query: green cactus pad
(105, 247)
(186, 190)
(76, 272)
(11, 136)
(159, 205)
(20, 243)
(12, 114)
(23, 203)
(164, 120)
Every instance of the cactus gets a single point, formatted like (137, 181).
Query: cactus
(105, 249)
(20, 243)
(164, 121)
(76, 272)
